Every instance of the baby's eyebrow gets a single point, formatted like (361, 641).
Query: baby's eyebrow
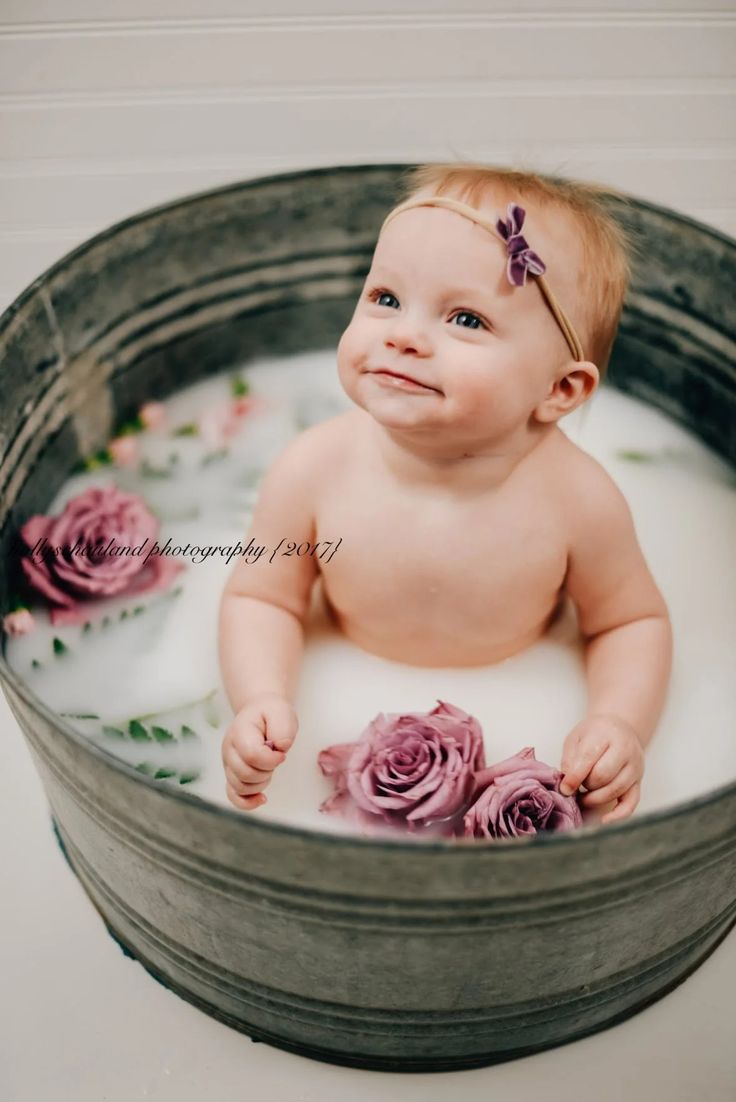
(475, 292)
(449, 292)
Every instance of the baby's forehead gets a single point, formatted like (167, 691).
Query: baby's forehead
(472, 249)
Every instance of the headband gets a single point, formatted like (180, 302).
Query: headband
(521, 259)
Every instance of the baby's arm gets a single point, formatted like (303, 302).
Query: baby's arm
(261, 624)
(628, 646)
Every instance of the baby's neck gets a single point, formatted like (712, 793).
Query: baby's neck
(433, 465)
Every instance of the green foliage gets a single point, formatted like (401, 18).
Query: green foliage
(238, 386)
(137, 731)
(113, 732)
(161, 734)
(149, 470)
(102, 458)
(214, 457)
(636, 456)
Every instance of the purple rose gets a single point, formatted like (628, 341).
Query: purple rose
(407, 770)
(519, 796)
(72, 558)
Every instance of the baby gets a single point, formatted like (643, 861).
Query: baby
(465, 514)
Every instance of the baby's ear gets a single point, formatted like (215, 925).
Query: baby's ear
(568, 391)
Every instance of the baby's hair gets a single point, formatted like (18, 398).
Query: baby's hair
(607, 247)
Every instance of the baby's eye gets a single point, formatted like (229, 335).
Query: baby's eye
(467, 314)
(376, 295)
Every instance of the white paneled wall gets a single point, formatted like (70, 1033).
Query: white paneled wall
(108, 108)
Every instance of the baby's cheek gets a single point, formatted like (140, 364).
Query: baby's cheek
(350, 347)
(475, 401)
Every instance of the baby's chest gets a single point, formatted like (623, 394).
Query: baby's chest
(508, 559)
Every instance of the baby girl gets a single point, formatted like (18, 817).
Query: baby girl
(465, 514)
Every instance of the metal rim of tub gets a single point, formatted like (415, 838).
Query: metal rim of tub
(367, 1033)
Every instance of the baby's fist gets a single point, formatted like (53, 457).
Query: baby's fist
(255, 743)
(605, 754)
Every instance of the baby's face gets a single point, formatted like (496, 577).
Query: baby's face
(438, 308)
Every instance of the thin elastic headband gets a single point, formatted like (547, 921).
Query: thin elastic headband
(521, 259)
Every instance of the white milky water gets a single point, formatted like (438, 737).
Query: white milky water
(159, 665)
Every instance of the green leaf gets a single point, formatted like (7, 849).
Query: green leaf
(146, 767)
(129, 428)
(79, 715)
(35, 664)
(102, 458)
(636, 457)
(124, 614)
(86, 628)
(186, 430)
(137, 731)
(148, 470)
(238, 386)
(113, 732)
(187, 778)
(161, 734)
(139, 609)
(59, 647)
(163, 773)
(187, 732)
(214, 457)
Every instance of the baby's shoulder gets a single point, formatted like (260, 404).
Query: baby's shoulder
(314, 451)
(587, 492)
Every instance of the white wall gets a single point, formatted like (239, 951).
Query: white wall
(107, 108)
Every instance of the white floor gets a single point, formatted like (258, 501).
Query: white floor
(80, 1022)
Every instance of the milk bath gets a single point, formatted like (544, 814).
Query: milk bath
(142, 681)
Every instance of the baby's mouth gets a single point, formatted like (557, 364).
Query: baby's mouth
(400, 378)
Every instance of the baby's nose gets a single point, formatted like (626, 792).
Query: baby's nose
(408, 334)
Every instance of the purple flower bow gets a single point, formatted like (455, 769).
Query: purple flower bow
(522, 259)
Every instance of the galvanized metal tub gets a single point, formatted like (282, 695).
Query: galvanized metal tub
(371, 953)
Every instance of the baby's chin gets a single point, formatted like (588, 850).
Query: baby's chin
(403, 410)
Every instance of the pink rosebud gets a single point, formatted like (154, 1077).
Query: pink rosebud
(223, 420)
(97, 547)
(519, 796)
(123, 450)
(152, 414)
(218, 424)
(252, 403)
(409, 770)
(247, 403)
(19, 622)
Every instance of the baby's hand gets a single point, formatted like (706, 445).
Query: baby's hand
(604, 753)
(254, 744)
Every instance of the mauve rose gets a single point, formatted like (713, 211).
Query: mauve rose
(518, 796)
(409, 770)
(94, 518)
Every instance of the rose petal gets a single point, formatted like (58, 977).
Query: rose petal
(413, 768)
